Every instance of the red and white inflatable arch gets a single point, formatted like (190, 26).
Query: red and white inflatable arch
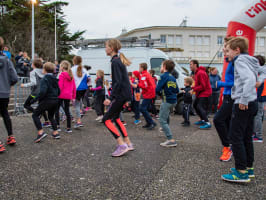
(246, 24)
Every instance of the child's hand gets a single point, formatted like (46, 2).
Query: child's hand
(243, 107)
(191, 92)
(106, 102)
(183, 91)
(22, 85)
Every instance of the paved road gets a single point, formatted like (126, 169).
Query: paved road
(79, 165)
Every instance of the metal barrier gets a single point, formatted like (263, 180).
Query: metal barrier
(20, 95)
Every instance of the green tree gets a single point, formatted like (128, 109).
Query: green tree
(15, 28)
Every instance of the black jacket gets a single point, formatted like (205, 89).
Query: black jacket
(187, 95)
(49, 88)
(120, 81)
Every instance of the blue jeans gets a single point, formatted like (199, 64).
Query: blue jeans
(144, 110)
(135, 107)
(164, 118)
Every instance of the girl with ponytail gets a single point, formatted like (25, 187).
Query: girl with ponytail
(80, 77)
(121, 93)
(68, 92)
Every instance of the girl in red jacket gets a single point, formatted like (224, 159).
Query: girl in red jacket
(67, 92)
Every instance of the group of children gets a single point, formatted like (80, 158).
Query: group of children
(234, 121)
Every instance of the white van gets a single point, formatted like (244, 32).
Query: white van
(97, 59)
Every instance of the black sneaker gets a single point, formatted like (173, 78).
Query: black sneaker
(186, 124)
(152, 126)
(68, 130)
(40, 137)
(56, 136)
(146, 126)
(182, 123)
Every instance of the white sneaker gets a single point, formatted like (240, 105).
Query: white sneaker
(99, 118)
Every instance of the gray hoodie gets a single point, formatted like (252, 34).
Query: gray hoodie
(245, 76)
(35, 78)
(8, 76)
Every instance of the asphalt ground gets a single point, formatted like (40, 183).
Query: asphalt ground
(79, 165)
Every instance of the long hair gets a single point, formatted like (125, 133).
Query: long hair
(116, 46)
(101, 74)
(67, 66)
(77, 60)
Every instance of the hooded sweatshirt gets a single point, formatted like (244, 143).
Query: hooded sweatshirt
(245, 77)
(67, 86)
(35, 79)
(147, 84)
(202, 83)
(8, 76)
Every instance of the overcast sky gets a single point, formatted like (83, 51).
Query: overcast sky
(106, 18)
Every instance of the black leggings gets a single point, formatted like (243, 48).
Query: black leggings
(28, 106)
(65, 105)
(99, 107)
(201, 107)
(112, 115)
(47, 105)
(4, 113)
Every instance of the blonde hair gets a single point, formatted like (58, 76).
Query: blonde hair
(67, 66)
(77, 60)
(116, 46)
(189, 80)
(49, 67)
(239, 42)
(101, 74)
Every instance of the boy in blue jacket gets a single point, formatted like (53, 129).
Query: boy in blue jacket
(168, 88)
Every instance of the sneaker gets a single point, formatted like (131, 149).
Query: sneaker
(137, 121)
(99, 118)
(56, 136)
(227, 154)
(168, 143)
(120, 150)
(152, 126)
(11, 140)
(206, 126)
(186, 124)
(236, 177)
(200, 122)
(146, 126)
(73, 120)
(40, 137)
(78, 124)
(250, 172)
(124, 123)
(59, 129)
(257, 139)
(161, 130)
(2, 148)
(46, 124)
(130, 147)
(182, 123)
(68, 130)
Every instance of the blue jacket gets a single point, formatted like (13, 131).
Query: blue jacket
(213, 80)
(259, 92)
(229, 79)
(167, 87)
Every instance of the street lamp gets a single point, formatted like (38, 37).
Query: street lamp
(55, 36)
(32, 30)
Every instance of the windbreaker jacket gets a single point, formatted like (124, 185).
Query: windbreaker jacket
(67, 86)
(228, 82)
(8, 76)
(202, 83)
(246, 75)
(120, 81)
(147, 84)
(81, 82)
(167, 87)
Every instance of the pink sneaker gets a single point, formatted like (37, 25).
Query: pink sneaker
(130, 147)
(120, 150)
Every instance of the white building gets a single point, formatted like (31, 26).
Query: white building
(185, 43)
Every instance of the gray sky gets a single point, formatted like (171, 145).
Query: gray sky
(106, 18)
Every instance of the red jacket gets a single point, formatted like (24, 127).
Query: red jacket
(202, 83)
(146, 83)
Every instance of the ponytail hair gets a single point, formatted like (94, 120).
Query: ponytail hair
(77, 60)
(115, 44)
(67, 66)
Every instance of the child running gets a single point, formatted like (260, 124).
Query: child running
(8, 77)
(48, 101)
(80, 77)
(168, 89)
(135, 96)
(120, 95)
(244, 109)
(67, 92)
(99, 95)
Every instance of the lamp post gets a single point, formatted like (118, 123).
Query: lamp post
(32, 30)
(55, 36)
